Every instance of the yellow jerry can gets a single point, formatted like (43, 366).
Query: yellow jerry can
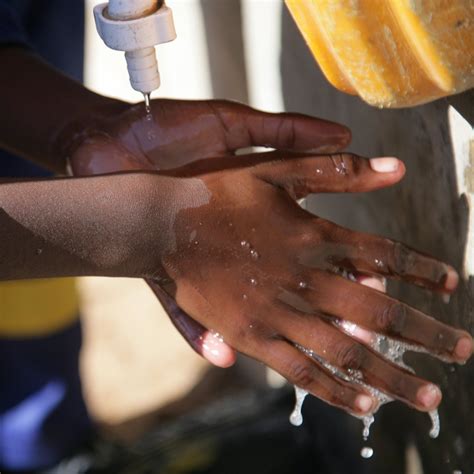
(392, 53)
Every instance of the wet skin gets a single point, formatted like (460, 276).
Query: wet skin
(243, 259)
(124, 138)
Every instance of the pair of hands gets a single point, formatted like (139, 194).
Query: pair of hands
(247, 262)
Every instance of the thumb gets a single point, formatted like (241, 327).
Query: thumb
(245, 127)
(340, 173)
(206, 343)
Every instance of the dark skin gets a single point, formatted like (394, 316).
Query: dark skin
(224, 238)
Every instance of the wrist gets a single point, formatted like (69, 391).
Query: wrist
(148, 231)
(89, 119)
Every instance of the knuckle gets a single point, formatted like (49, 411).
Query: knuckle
(392, 318)
(285, 132)
(306, 237)
(350, 356)
(403, 259)
(301, 374)
(351, 163)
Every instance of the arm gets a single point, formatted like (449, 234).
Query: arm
(216, 233)
(83, 226)
(39, 105)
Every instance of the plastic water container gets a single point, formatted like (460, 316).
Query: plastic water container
(392, 53)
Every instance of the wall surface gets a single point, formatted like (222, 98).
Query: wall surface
(429, 210)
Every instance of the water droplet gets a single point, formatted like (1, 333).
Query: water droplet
(196, 242)
(319, 171)
(192, 236)
(339, 164)
(250, 326)
(245, 297)
(244, 244)
(254, 254)
(302, 285)
(148, 117)
(296, 417)
(39, 251)
(367, 420)
(147, 103)
(378, 263)
(253, 281)
(366, 452)
(434, 432)
(151, 135)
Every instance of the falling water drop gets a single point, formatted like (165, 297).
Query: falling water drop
(367, 420)
(366, 452)
(434, 432)
(147, 104)
(296, 418)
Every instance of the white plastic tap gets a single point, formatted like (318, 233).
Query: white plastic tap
(136, 27)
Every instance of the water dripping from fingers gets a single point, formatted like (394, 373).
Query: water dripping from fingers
(296, 417)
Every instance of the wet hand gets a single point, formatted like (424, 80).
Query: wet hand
(179, 132)
(248, 262)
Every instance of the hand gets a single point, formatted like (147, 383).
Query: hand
(247, 261)
(180, 132)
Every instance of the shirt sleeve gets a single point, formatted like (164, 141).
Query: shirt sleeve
(11, 28)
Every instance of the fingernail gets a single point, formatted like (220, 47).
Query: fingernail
(463, 348)
(452, 279)
(429, 396)
(377, 283)
(384, 165)
(357, 332)
(446, 298)
(363, 403)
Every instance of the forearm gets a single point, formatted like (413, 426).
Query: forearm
(39, 105)
(83, 226)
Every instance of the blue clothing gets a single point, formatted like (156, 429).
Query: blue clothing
(42, 413)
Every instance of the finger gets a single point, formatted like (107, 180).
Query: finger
(353, 358)
(377, 255)
(245, 127)
(340, 173)
(307, 374)
(206, 343)
(357, 332)
(378, 312)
